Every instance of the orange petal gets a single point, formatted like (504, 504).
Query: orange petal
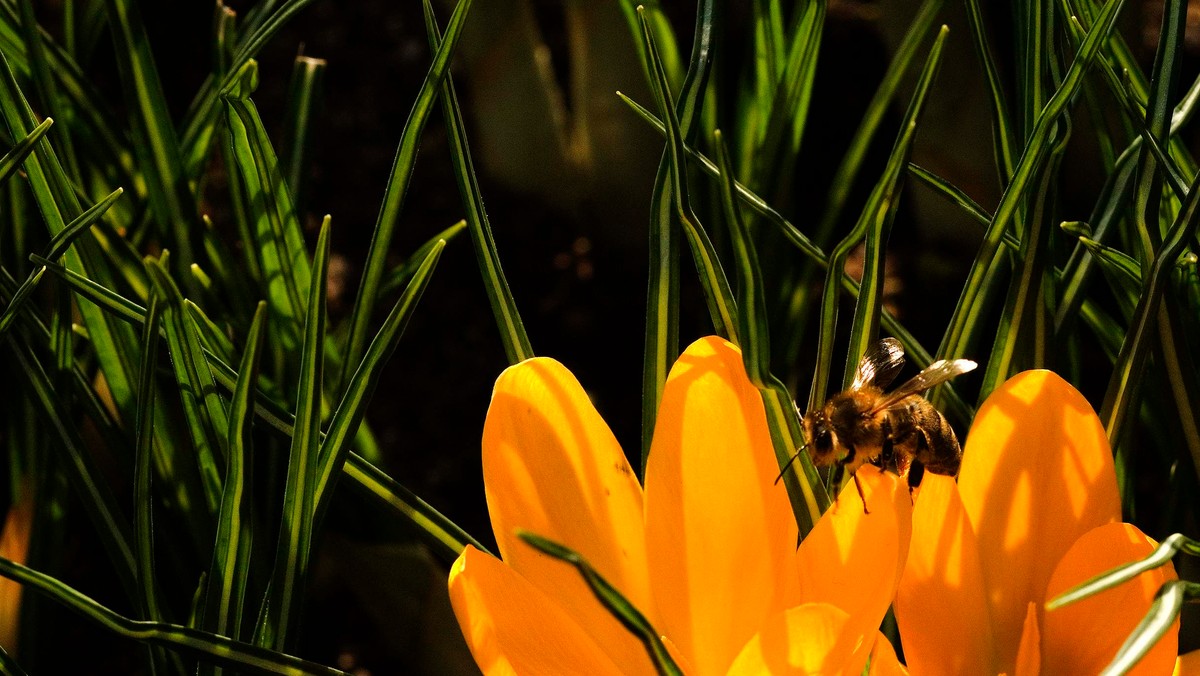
(884, 661)
(942, 593)
(511, 627)
(1029, 650)
(1187, 664)
(1037, 473)
(719, 532)
(1085, 636)
(853, 559)
(807, 639)
(14, 546)
(551, 466)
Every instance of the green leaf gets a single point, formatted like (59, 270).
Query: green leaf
(279, 628)
(303, 104)
(16, 155)
(155, 144)
(361, 386)
(202, 405)
(504, 308)
(1004, 138)
(278, 237)
(662, 301)
(612, 600)
(397, 186)
(783, 419)
(399, 277)
(198, 644)
(1161, 556)
(229, 574)
(1160, 619)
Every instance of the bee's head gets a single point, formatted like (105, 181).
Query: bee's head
(820, 438)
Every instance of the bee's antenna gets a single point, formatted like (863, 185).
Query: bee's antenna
(790, 461)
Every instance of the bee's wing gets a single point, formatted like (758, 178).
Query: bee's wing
(880, 365)
(935, 374)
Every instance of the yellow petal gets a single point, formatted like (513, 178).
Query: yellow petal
(719, 531)
(807, 639)
(551, 466)
(942, 593)
(1029, 650)
(1187, 664)
(1085, 636)
(884, 661)
(853, 559)
(513, 628)
(1037, 473)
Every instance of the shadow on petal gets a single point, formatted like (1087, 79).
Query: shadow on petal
(808, 639)
(719, 532)
(1037, 473)
(513, 628)
(941, 593)
(1085, 636)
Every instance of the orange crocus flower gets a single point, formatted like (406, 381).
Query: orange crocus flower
(706, 550)
(1035, 512)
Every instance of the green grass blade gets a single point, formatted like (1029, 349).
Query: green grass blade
(361, 386)
(278, 237)
(16, 155)
(190, 642)
(155, 143)
(303, 104)
(661, 346)
(398, 278)
(393, 197)
(1162, 554)
(975, 295)
(1004, 137)
(805, 489)
(143, 494)
(281, 619)
(880, 211)
(508, 320)
(101, 506)
(202, 405)
(9, 666)
(229, 574)
(613, 601)
(1161, 617)
(851, 163)
(1127, 373)
(717, 294)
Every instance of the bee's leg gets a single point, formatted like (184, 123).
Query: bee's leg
(835, 481)
(916, 472)
(863, 496)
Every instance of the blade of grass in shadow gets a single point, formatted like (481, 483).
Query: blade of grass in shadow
(879, 213)
(612, 600)
(45, 86)
(143, 494)
(661, 346)
(1004, 138)
(229, 573)
(851, 163)
(279, 628)
(305, 92)
(717, 294)
(361, 386)
(1126, 376)
(804, 487)
(975, 296)
(399, 277)
(16, 155)
(1014, 347)
(57, 246)
(508, 320)
(202, 406)
(397, 186)
(155, 144)
(955, 407)
(197, 644)
(111, 526)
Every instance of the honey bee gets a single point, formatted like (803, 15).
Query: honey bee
(899, 430)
